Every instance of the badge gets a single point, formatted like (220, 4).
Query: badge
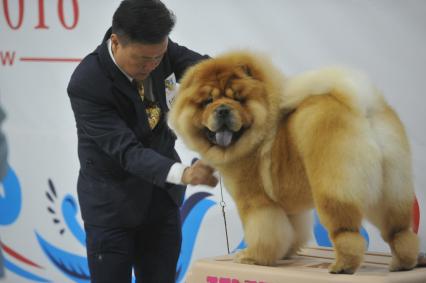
(171, 89)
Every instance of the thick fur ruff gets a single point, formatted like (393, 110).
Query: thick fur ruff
(325, 139)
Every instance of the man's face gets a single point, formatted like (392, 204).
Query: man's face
(138, 60)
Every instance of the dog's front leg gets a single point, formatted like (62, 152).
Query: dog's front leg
(268, 234)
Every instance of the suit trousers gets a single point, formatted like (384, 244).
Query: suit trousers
(151, 249)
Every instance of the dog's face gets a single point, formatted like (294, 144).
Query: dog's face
(223, 104)
(221, 108)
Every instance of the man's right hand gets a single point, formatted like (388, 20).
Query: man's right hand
(199, 173)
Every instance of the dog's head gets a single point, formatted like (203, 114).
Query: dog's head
(224, 106)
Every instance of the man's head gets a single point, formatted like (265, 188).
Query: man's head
(140, 30)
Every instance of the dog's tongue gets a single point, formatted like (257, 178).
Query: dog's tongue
(223, 138)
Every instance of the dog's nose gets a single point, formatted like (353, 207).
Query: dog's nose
(222, 111)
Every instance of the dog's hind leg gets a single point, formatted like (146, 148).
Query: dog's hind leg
(342, 162)
(397, 232)
(393, 213)
(343, 222)
(268, 234)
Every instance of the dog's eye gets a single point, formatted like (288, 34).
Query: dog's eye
(240, 99)
(207, 101)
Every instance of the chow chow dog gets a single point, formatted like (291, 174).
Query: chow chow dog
(325, 139)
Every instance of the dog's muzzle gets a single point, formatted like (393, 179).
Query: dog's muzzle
(223, 136)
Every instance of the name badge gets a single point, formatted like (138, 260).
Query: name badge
(171, 89)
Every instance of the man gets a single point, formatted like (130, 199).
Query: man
(130, 184)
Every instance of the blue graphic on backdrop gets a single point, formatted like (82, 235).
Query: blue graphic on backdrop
(11, 201)
(10, 207)
(75, 267)
(69, 212)
(23, 273)
(192, 213)
(242, 245)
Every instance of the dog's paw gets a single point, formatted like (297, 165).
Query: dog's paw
(421, 260)
(241, 257)
(340, 268)
(399, 265)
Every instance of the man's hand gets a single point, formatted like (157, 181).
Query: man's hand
(199, 173)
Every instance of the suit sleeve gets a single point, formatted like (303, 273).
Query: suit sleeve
(181, 58)
(101, 123)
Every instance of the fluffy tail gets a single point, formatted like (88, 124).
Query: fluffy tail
(353, 85)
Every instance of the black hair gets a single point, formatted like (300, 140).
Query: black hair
(142, 21)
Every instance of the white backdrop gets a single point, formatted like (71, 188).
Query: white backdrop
(385, 38)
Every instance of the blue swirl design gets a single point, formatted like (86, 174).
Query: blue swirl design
(192, 213)
(23, 273)
(242, 245)
(321, 234)
(10, 207)
(73, 266)
(69, 212)
(11, 201)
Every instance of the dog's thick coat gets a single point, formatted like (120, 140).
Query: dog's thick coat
(325, 139)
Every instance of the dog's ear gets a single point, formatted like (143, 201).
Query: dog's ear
(243, 70)
(247, 70)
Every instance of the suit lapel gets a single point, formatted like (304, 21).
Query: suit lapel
(158, 88)
(125, 88)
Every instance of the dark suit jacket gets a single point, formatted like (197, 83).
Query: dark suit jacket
(121, 159)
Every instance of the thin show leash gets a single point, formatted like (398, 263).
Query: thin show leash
(223, 205)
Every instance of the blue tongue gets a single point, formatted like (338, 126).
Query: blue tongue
(224, 138)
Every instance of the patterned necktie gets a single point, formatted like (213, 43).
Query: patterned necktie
(153, 111)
